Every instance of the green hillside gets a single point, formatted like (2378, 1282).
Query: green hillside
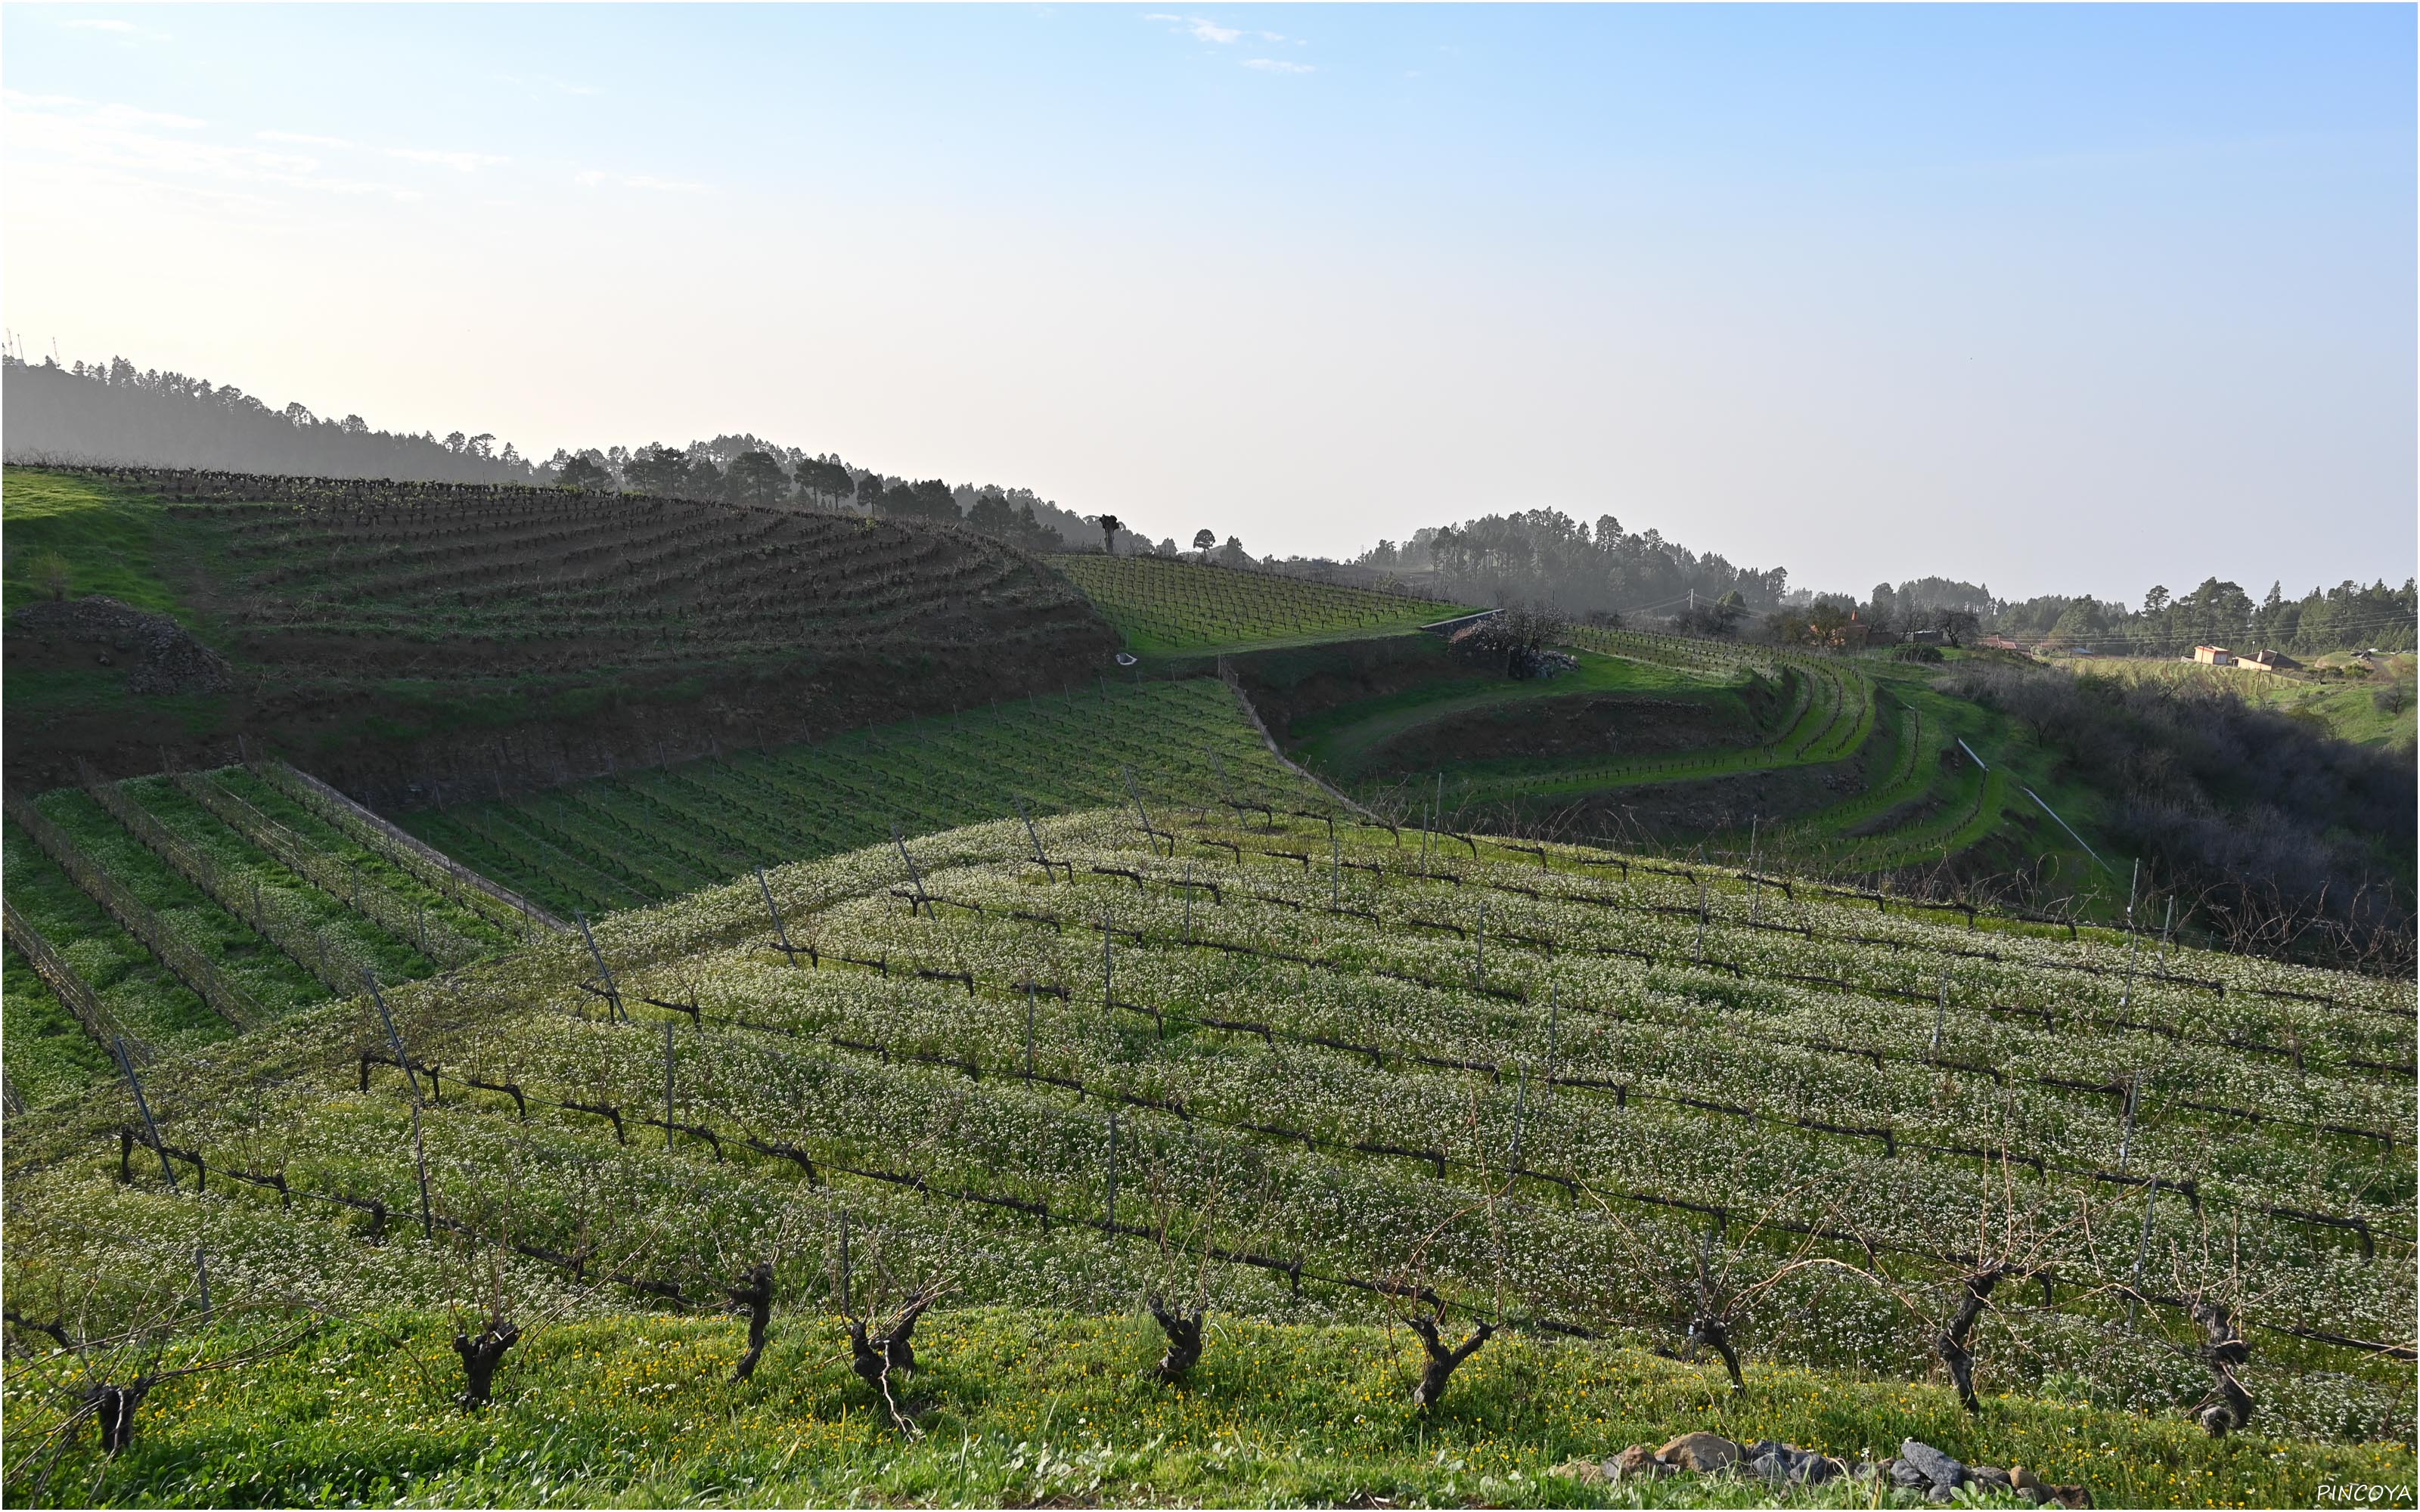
(1304, 1072)
(1163, 605)
(2368, 703)
(651, 836)
(1844, 767)
(407, 639)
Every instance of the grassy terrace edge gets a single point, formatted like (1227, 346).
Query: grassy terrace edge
(1027, 1407)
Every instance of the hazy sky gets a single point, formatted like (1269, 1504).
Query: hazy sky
(2056, 298)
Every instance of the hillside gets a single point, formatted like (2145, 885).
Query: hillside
(1302, 1069)
(1823, 765)
(1067, 993)
(414, 642)
(1163, 605)
(175, 910)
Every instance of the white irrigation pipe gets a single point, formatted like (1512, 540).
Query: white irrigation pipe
(2069, 828)
(2046, 808)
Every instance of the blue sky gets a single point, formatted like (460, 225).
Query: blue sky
(2073, 298)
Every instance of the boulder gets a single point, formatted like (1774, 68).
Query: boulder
(1787, 1464)
(1705, 1453)
(1989, 1477)
(1937, 1467)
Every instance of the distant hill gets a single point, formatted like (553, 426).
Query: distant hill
(115, 414)
(413, 640)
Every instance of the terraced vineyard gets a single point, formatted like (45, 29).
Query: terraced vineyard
(417, 643)
(1855, 767)
(1325, 1068)
(170, 913)
(544, 579)
(1164, 606)
(651, 836)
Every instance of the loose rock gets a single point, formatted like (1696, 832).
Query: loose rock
(1937, 1467)
(1787, 1464)
(1703, 1452)
(165, 657)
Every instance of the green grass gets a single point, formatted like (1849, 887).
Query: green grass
(620, 842)
(2347, 709)
(1037, 1408)
(1968, 808)
(278, 982)
(110, 542)
(146, 1002)
(1166, 607)
(1832, 710)
(48, 1053)
(1281, 1035)
(1335, 740)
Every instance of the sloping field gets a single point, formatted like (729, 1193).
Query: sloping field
(411, 640)
(546, 580)
(1308, 1073)
(650, 836)
(258, 891)
(1161, 606)
(171, 912)
(1831, 765)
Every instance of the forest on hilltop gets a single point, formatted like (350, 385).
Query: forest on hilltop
(114, 414)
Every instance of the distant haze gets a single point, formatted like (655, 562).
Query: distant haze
(2073, 299)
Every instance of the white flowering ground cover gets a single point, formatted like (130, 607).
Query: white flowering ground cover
(1314, 1070)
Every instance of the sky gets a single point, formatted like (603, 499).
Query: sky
(2068, 298)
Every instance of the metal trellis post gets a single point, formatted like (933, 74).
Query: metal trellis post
(613, 993)
(143, 1105)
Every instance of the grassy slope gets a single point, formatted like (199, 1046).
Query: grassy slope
(2349, 708)
(147, 1002)
(620, 841)
(637, 1409)
(1163, 607)
(1971, 811)
(251, 962)
(1337, 739)
(111, 543)
(48, 1055)
(1912, 815)
(1026, 1408)
(421, 686)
